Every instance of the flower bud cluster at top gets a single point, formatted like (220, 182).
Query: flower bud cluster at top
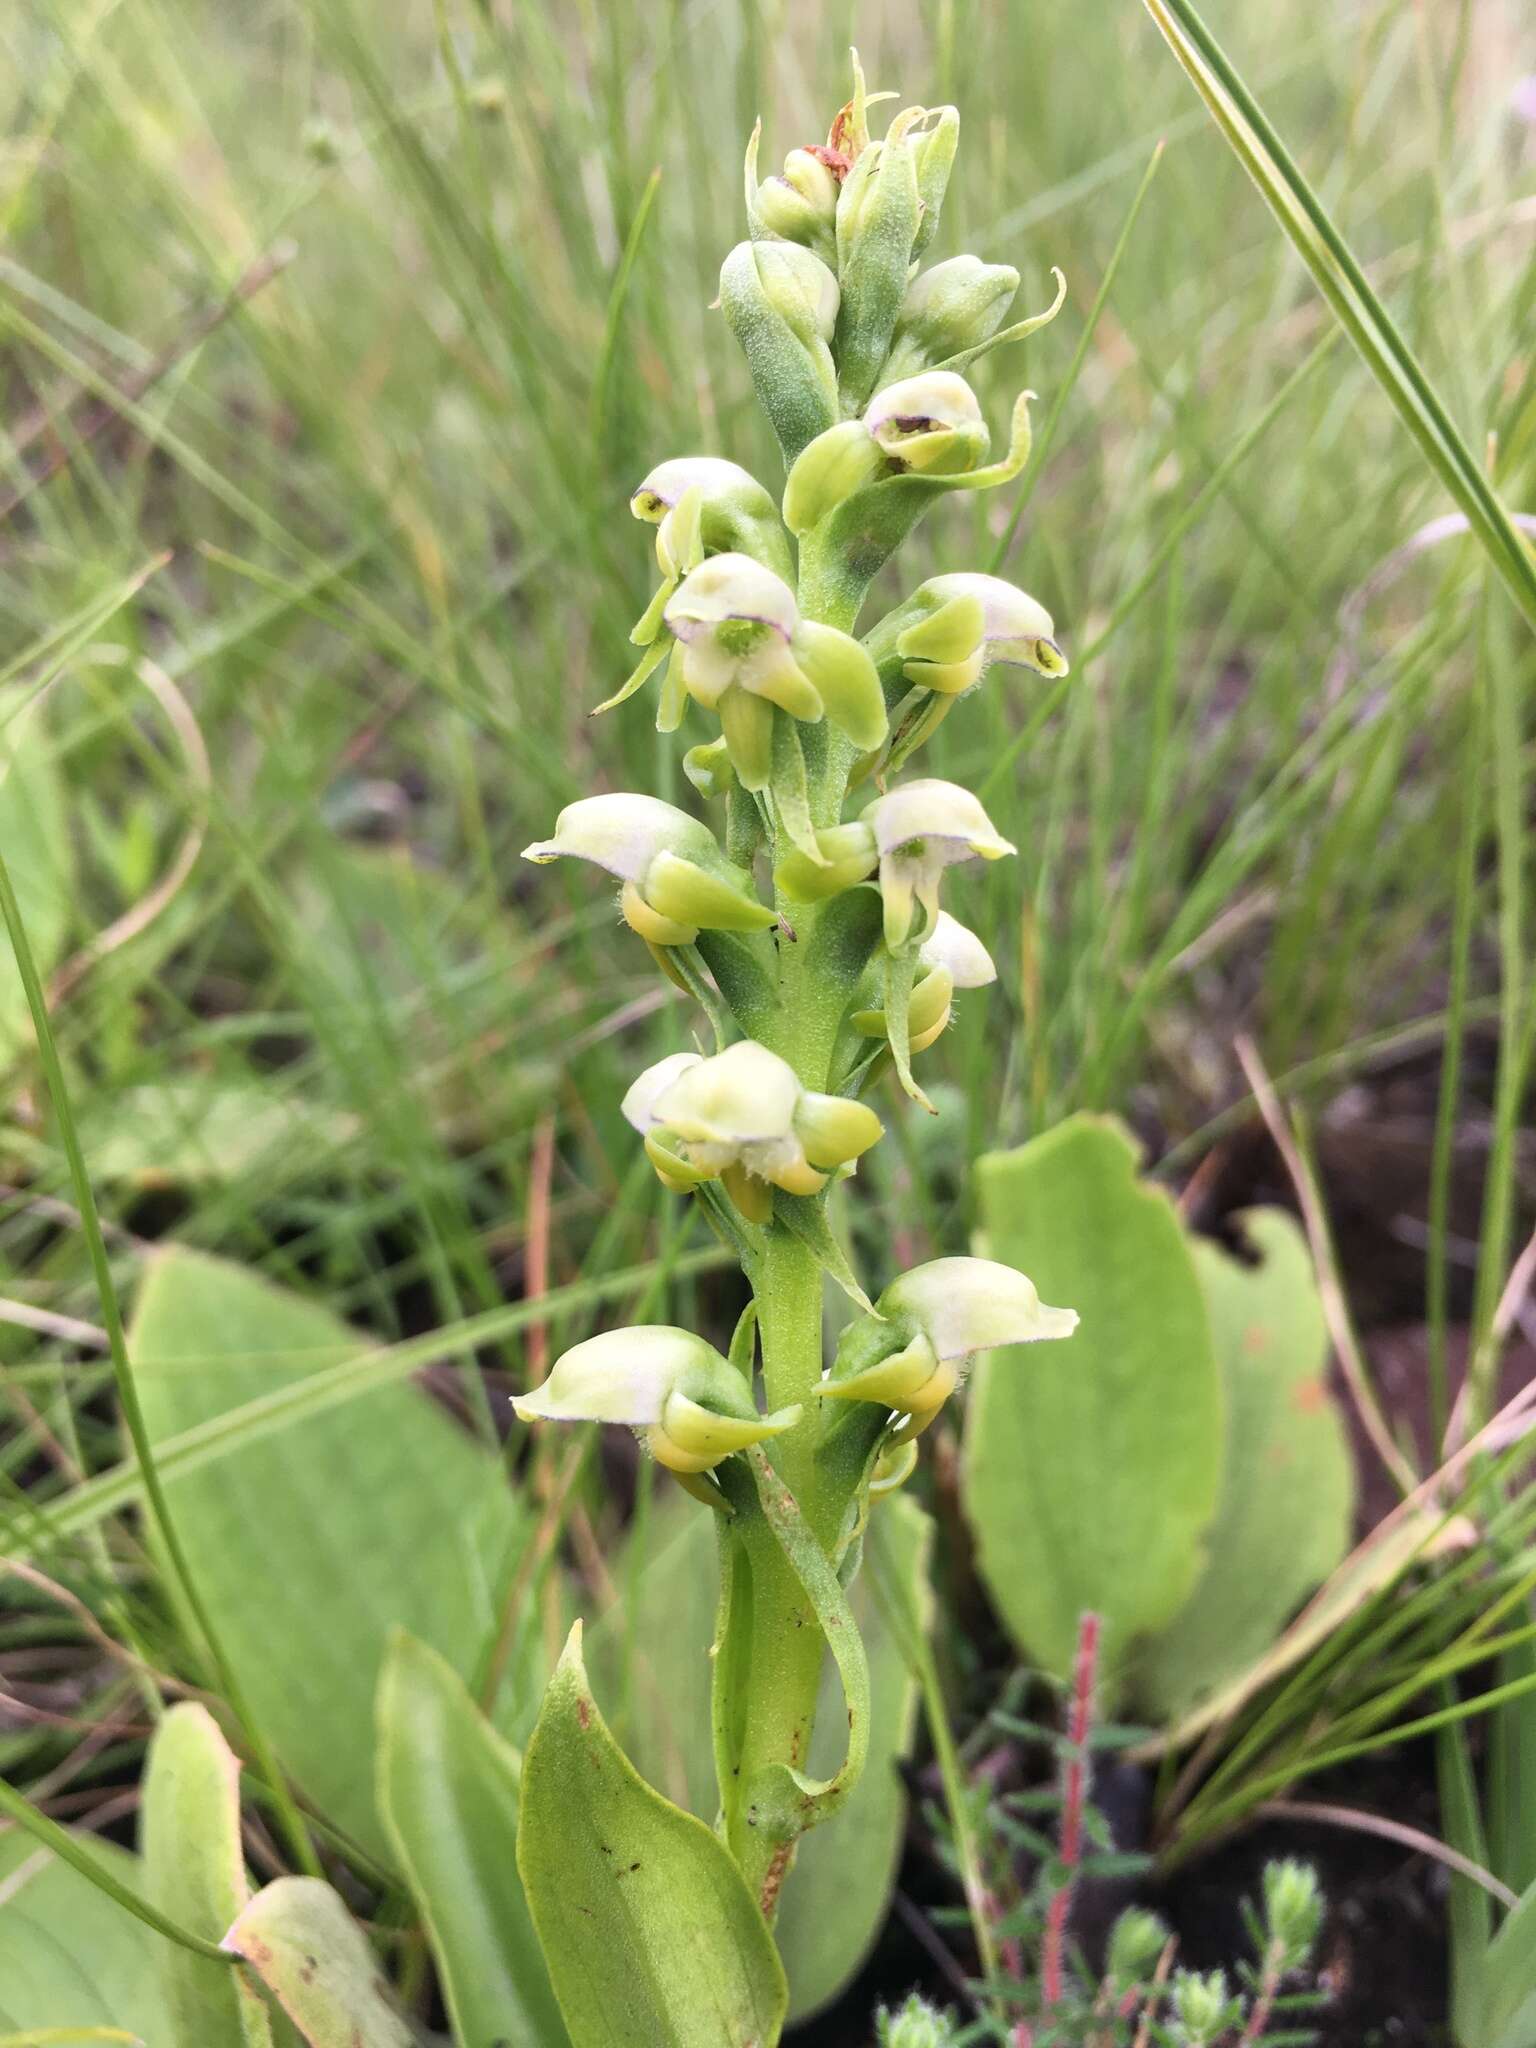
(857, 356)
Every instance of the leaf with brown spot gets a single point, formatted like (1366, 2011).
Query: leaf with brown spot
(299, 1938)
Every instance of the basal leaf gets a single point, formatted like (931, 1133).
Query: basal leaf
(70, 1956)
(1287, 1492)
(311, 1545)
(1091, 1472)
(448, 1796)
(298, 1937)
(194, 1870)
(652, 1938)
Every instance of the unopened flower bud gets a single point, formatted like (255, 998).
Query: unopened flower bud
(1293, 1912)
(878, 212)
(930, 423)
(950, 308)
(1203, 2008)
(781, 301)
(676, 879)
(934, 144)
(688, 1405)
(742, 1117)
(1136, 1941)
(801, 204)
(916, 2025)
(834, 466)
(911, 1354)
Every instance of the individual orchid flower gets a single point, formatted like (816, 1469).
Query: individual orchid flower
(699, 505)
(742, 1117)
(953, 957)
(912, 1353)
(689, 1406)
(743, 651)
(925, 434)
(954, 627)
(676, 881)
(911, 834)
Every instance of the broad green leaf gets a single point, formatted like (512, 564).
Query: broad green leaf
(652, 1937)
(69, 1956)
(1287, 1489)
(1091, 1467)
(194, 1870)
(310, 1546)
(448, 1797)
(299, 1938)
(839, 1891)
(35, 836)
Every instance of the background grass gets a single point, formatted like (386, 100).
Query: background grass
(394, 305)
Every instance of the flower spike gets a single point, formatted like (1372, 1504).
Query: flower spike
(688, 1405)
(928, 1325)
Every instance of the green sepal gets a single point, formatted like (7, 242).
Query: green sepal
(748, 722)
(846, 680)
(934, 152)
(655, 654)
(1017, 332)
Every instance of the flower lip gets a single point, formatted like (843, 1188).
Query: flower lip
(744, 1096)
(617, 1376)
(964, 1305)
(1008, 613)
(729, 588)
(954, 949)
(917, 405)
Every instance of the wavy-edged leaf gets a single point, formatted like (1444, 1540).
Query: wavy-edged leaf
(194, 1870)
(299, 1938)
(310, 1547)
(650, 1932)
(448, 1797)
(1091, 1469)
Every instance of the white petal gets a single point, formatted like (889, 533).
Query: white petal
(620, 1376)
(745, 1095)
(623, 833)
(952, 946)
(639, 1104)
(731, 587)
(668, 481)
(966, 1305)
(1008, 613)
(932, 810)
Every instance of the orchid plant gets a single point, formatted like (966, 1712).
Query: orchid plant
(811, 720)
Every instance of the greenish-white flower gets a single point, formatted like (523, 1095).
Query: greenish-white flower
(743, 1118)
(957, 625)
(688, 1405)
(676, 880)
(932, 423)
(928, 1325)
(744, 650)
(952, 957)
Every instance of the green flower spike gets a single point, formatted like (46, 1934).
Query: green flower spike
(688, 1405)
(743, 649)
(676, 880)
(912, 1353)
(743, 1118)
(954, 958)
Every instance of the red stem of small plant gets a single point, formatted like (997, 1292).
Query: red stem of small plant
(1264, 2004)
(1074, 1790)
